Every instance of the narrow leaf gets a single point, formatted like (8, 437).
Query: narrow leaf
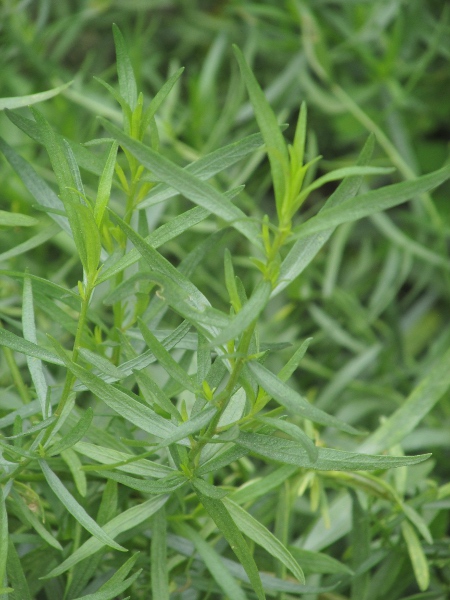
(12, 219)
(291, 400)
(21, 101)
(124, 522)
(75, 509)
(228, 528)
(418, 404)
(214, 563)
(257, 532)
(417, 556)
(194, 189)
(127, 81)
(3, 537)
(18, 344)
(290, 452)
(267, 122)
(162, 486)
(372, 202)
(158, 558)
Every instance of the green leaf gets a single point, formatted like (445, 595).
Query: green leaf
(315, 562)
(267, 122)
(75, 509)
(304, 250)
(86, 235)
(418, 404)
(219, 514)
(104, 185)
(128, 462)
(257, 532)
(207, 489)
(127, 81)
(18, 344)
(162, 486)
(159, 571)
(294, 432)
(293, 453)
(3, 537)
(207, 166)
(372, 202)
(199, 192)
(169, 364)
(115, 586)
(79, 476)
(291, 400)
(124, 522)
(213, 562)
(37, 187)
(417, 556)
(247, 315)
(34, 364)
(142, 416)
(16, 574)
(158, 100)
(12, 219)
(28, 518)
(21, 101)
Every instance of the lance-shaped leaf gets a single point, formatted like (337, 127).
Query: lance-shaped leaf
(162, 486)
(74, 435)
(21, 101)
(291, 400)
(200, 192)
(127, 81)
(142, 416)
(124, 522)
(293, 453)
(159, 568)
(418, 404)
(294, 432)
(214, 563)
(257, 532)
(372, 202)
(3, 537)
(417, 556)
(75, 509)
(228, 528)
(247, 315)
(267, 122)
(13, 341)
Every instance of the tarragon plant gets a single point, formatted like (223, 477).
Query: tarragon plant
(144, 410)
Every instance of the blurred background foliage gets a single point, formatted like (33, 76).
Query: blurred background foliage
(376, 300)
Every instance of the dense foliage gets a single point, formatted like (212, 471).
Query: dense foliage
(224, 368)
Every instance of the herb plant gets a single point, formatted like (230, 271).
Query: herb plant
(155, 446)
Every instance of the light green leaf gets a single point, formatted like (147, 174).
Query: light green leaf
(289, 452)
(418, 559)
(127, 81)
(304, 250)
(75, 509)
(158, 100)
(162, 486)
(124, 522)
(11, 219)
(247, 315)
(213, 562)
(257, 532)
(418, 404)
(141, 415)
(29, 333)
(128, 462)
(117, 584)
(294, 432)
(21, 101)
(159, 571)
(199, 192)
(16, 574)
(219, 514)
(29, 518)
(261, 486)
(267, 122)
(315, 562)
(207, 489)
(3, 537)
(169, 364)
(104, 185)
(291, 400)
(207, 166)
(18, 344)
(289, 368)
(372, 202)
